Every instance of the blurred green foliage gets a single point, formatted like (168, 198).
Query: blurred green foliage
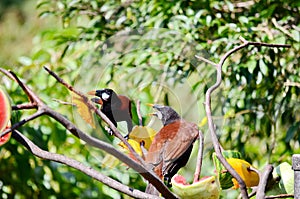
(146, 49)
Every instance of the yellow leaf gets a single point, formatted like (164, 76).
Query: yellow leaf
(109, 161)
(143, 134)
(203, 122)
(83, 110)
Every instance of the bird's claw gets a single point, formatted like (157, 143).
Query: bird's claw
(126, 136)
(109, 130)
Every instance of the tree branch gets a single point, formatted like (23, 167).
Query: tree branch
(22, 122)
(206, 60)
(280, 196)
(43, 109)
(98, 112)
(199, 157)
(214, 137)
(263, 180)
(35, 150)
(24, 106)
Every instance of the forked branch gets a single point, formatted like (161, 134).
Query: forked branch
(43, 109)
(211, 125)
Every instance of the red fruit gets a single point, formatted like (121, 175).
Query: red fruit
(5, 114)
(180, 180)
(4, 138)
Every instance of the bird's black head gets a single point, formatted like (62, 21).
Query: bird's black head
(105, 94)
(166, 114)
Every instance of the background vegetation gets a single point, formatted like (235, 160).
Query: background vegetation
(145, 50)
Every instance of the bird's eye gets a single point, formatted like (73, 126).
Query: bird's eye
(105, 96)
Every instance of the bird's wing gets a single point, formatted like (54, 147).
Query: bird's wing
(183, 139)
(154, 155)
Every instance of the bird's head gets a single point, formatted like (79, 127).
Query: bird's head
(165, 113)
(104, 94)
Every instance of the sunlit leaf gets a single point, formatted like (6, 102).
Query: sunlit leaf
(109, 161)
(203, 122)
(83, 110)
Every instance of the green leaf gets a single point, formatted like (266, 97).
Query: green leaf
(263, 67)
(291, 132)
(251, 65)
(243, 20)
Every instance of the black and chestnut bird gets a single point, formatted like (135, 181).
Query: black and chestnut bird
(116, 107)
(172, 145)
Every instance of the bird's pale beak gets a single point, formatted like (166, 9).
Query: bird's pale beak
(153, 114)
(91, 92)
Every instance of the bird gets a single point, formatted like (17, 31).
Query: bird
(116, 107)
(171, 146)
(248, 173)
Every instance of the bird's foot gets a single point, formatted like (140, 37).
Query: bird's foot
(109, 130)
(168, 181)
(126, 136)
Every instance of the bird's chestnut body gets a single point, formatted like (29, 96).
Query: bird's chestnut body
(172, 145)
(171, 148)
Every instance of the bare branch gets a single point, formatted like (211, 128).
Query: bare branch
(280, 196)
(24, 106)
(64, 103)
(35, 150)
(33, 98)
(282, 29)
(199, 157)
(98, 112)
(45, 110)
(206, 60)
(214, 137)
(263, 180)
(147, 174)
(22, 122)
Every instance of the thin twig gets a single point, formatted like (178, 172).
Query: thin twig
(24, 106)
(22, 122)
(199, 157)
(263, 180)
(33, 98)
(280, 196)
(297, 84)
(206, 60)
(35, 150)
(63, 102)
(282, 29)
(138, 110)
